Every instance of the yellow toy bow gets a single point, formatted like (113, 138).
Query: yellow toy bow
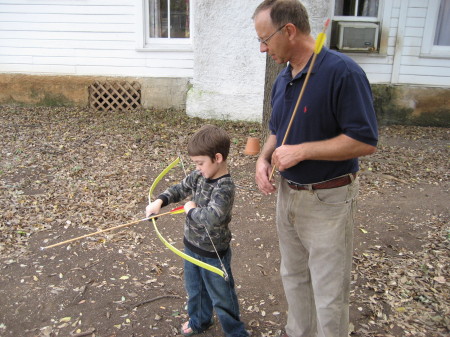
(167, 244)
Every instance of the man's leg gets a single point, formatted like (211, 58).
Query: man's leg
(294, 269)
(326, 229)
(316, 233)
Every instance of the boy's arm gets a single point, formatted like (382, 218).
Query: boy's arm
(179, 191)
(217, 211)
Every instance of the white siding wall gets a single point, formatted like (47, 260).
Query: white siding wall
(73, 37)
(101, 37)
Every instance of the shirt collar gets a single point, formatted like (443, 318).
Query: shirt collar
(287, 71)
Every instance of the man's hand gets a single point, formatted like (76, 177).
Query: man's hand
(264, 167)
(287, 156)
(263, 171)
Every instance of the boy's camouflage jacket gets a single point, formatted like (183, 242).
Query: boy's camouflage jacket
(214, 199)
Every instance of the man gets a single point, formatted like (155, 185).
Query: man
(334, 125)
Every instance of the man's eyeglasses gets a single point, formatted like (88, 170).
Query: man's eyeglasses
(266, 41)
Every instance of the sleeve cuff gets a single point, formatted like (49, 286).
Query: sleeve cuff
(164, 200)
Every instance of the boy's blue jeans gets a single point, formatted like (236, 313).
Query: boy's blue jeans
(207, 291)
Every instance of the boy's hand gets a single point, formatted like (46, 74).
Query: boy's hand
(153, 208)
(189, 205)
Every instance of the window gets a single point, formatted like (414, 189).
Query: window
(168, 19)
(164, 25)
(442, 37)
(436, 40)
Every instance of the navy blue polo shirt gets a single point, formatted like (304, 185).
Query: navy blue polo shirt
(337, 100)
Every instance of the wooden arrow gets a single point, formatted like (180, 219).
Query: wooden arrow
(173, 211)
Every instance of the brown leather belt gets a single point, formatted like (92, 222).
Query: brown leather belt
(333, 183)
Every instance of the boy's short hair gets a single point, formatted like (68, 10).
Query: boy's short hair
(208, 141)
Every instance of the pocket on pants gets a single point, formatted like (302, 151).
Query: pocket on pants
(335, 196)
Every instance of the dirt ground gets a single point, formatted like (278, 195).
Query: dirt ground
(69, 172)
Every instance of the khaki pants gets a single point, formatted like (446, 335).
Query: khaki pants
(315, 229)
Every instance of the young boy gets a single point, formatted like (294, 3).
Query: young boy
(206, 233)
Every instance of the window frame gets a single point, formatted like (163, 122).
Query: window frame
(145, 43)
(383, 31)
(428, 48)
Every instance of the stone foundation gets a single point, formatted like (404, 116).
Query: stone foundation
(160, 93)
(399, 104)
(412, 105)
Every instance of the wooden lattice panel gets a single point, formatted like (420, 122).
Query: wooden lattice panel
(115, 96)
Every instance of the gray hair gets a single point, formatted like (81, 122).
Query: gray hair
(286, 11)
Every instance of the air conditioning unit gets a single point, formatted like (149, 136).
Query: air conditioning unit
(357, 36)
